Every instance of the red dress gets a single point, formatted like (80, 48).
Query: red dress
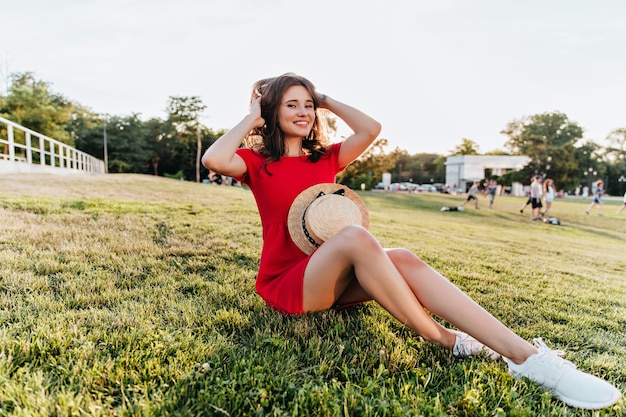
(281, 270)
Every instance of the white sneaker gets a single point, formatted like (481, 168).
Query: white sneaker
(465, 345)
(559, 376)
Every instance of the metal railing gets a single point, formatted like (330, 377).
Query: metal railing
(25, 151)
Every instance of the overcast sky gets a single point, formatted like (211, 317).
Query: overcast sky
(432, 72)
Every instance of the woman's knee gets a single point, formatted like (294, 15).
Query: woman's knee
(358, 238)
(404, 257)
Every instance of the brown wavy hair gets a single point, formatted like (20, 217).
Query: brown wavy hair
(547, 183)
(269, 140)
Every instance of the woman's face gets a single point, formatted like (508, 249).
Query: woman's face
(296, 112)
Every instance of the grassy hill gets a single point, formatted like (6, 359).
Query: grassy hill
(134, 295)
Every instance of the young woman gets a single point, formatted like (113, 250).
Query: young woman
(549, 193)
(287, 154)
(597, 197)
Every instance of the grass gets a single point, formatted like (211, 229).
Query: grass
(134, 295)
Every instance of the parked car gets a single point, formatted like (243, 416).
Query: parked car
(411, 187)
(398, 186)
(439, 187)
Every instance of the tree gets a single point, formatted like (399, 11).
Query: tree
(497, 152)
(591, 166)
(402, 159)
(467, 147)
(329, 122)
(549, 139)
(30, 103)
(86, 128)
(129, 145)
(184, 115)
(156, 132)
(372, 163)
(617, 145)
(423, 168)
(615, 155)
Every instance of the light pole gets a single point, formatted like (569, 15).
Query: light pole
(106, 154)
(589, 178)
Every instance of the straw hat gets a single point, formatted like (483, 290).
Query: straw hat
(322, 210)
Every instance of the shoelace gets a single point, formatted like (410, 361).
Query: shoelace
(548, 355)
(468, 346)
(462, 347)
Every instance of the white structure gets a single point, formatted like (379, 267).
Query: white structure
(464, 169)
(25, 151)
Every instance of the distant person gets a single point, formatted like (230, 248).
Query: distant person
(290, 166)
(549, 194)
(598, 191)
(536, 194)
(585, 192)
(491, 189)
(452, 208)
(623, 205)
(471, 195)
(215, 178)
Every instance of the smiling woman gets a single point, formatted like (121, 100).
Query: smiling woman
(296, 115)
(290, 156)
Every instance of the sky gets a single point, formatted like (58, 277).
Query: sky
(432, 72)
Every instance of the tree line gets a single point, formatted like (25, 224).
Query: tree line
(172, 146)
(165, 147)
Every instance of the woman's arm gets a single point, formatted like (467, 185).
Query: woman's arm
(364, 127)
(221, 156)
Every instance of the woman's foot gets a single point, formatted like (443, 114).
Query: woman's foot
(559, 376)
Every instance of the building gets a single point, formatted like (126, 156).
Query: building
(462, 170)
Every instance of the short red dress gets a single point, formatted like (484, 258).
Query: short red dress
(281, 270)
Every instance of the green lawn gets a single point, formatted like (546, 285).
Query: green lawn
(133, 295)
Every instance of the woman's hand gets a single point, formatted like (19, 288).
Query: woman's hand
(364, 127)
(321, 100)
(222, 157)
(255, 112)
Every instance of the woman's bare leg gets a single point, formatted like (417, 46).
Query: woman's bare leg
(404, 285)
(354, 257)
(445, 300)
(547, 210)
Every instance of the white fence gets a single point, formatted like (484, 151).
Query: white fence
(25, 151)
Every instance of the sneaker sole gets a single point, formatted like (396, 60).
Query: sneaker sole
(590, 406)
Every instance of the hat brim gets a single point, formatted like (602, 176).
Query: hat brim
(304, 199)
